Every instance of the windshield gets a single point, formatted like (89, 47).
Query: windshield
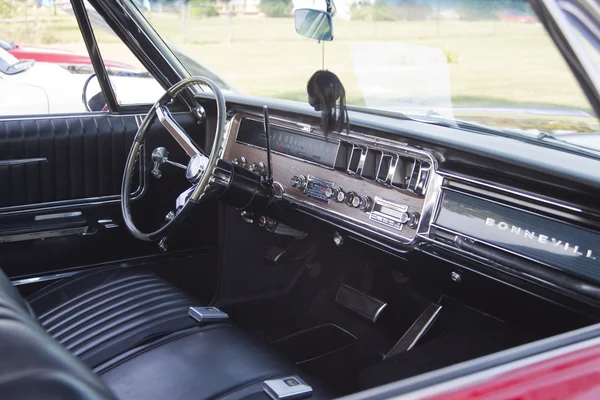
(489, 62)
(485, 62)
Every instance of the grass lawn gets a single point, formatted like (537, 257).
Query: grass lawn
(491, 62)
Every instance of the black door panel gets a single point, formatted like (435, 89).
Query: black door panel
(84, 158)
(82, 172)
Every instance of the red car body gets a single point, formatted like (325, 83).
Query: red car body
(57, 56)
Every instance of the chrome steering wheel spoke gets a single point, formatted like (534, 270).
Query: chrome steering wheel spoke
(177, 132)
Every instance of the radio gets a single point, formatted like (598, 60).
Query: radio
(382, 211)
(392, 214)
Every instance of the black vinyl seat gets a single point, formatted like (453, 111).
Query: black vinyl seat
(131, 327)
(100, 314)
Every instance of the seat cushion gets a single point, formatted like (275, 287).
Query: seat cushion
(210, 361)
(32, 365)
(100, 314)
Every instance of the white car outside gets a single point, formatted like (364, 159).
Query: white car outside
(28, 88)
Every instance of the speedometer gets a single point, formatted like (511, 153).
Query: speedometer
(289, 142)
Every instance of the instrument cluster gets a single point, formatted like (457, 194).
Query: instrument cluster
(380, 186)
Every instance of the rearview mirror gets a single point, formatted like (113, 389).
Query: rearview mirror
(314, 24)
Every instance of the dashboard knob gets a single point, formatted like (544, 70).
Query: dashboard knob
(413, 219)
(331, 192)
(365, 203)
(341, 196)
(404, 217)
(257, 167)
(239, 161)
(298, 181)
(356, 201)
(350, 196)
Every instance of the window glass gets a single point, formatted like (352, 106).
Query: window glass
(484, 61)
(45, 67)
(131, 82)
(43, 60)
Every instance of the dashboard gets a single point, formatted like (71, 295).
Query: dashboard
(378, 185)
(396, 190)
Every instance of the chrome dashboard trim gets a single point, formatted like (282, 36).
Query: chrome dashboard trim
(508, 190)
(431, 205)
(432, 193)
(350, 137)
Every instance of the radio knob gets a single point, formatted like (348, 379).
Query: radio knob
(341, 196)
(413, 219)
(365, 203)
(257, 167)
(350, 196)
(331, 192)
(239, 161)
(298, 181)
(404, 217)
(356, 201)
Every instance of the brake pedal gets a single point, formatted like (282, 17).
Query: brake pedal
(362, 304)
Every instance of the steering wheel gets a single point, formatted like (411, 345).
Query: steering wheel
(200, 170)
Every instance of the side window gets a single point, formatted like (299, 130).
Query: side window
(131, 82)
(43, 59)
(45, 67)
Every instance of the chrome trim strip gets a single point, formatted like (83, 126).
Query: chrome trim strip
(43, 235)
(21, 161)
(56, 116)
(45, 217)
(508, 190)
(431, 205)
(44, 278)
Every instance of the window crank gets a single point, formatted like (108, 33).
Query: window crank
(160, 156)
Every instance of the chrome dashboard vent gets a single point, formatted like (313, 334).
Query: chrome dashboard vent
(419, 177)
(356, 160)
(372, 163)
(386, 168)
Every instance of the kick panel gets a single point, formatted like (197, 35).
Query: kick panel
(364, 181)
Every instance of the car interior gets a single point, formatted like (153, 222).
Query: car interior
(215, 245)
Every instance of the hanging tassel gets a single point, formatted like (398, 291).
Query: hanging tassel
(327, 94)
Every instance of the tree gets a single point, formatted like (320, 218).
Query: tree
(276, 8)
